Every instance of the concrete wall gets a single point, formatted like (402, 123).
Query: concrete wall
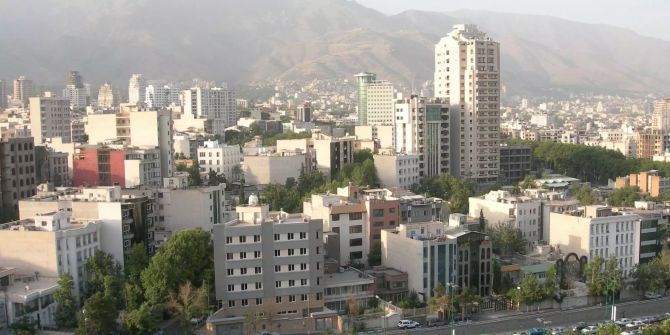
(35, 250)
(261, 170)
(406, 255)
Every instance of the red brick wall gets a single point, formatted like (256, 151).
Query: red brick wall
(85, 168)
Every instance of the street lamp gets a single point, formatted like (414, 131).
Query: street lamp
(518, 298)
(83, 312)
(384, 317)
(452, 287)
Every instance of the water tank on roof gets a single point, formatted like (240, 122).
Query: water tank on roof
(253, 200)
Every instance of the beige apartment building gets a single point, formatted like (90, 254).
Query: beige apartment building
(50, 117)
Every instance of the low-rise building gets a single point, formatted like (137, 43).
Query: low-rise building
(390, 284)
(348, 286)
(17, 170)
(275, 168)
(649, 182)
(397, 169)
(220, 158)
(30, 295)
(500, 207)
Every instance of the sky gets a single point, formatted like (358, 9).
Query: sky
(646, 17)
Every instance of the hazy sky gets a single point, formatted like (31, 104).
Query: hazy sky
(647, 17)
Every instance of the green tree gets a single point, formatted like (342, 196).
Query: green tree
(7, 214)
(507, 238)
(531, 290)
(24, 326)
(186, 257)
(440, 298)
(527, 182)
(98, 316)
(465, 299)
(363, 155)
(133, 294)
(103, 272)
(375, 256)
(411, 301)
(593, 276)
(585, 195)
(66, 313)
(608, 329)
(625, 196)
(138, 260)
(141, 321)
(456, 191)
(242, 199)
(482, 221)
(613, 278)
(188, 302)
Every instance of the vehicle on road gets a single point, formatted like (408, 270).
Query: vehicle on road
(558, 330)
(579, 326)
(652, 295)
(536, 331)
(589, 330)
(407, 324)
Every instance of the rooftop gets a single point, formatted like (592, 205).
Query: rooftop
(348, 277)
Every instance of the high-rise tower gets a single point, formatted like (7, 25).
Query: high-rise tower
(136, 89)
(467, 71)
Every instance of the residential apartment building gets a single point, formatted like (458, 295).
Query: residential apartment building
(269, 262)
(501, 207)
(363, 79)
(515, 162)
(597, 231)
(303, 112)
(136, 89)
(116, 165)
(17, 170)
(3, 94)
(649, 182)
(26, 294)
(649, 144)
(263, 169)
(137, 127)
(345, 227)
(220, 158)
(661, 116)
(161, 96)
(23, 89)
(330, 153)
(51, 244)
(467, 71)
(106, 96)
(52, 166)
(75, 91)
(124, 220)
(50, 117)
(397, 169)
(216, 104)
(347, 286)
(379, 103)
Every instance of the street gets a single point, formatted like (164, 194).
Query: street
(526, 321)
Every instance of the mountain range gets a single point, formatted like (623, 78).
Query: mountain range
(243, 41)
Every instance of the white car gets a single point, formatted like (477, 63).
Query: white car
(635, 324)
(590, 330)
(623, 321)
(407, 324)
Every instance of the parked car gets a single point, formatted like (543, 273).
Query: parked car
(535, 331)
(407, 324)
(652, 295)
(589, 330)
(558, 330)
(579, 326)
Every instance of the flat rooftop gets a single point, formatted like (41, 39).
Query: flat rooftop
(348, 277)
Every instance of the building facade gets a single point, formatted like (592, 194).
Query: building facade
(50, 117)
(515, 162)
(220, 158)
(136, 89)
(17, 170)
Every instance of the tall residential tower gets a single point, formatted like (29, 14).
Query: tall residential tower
(467, 71)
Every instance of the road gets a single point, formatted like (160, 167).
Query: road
(526, 321)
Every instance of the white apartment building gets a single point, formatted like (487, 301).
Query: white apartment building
(467, 71)
(263, 169)
(25, 294)
(221, 158)
(51, 244)
(22, 90)
(50, 117)
(269, 262)
(661, 117)
(345, 227)
(380, 103)
(216, 104)
(136, 89)
(106, 96)
(142, 166)
(597, 231)
(161, 96)
(502, 207)
(397, 169)
(137, 127)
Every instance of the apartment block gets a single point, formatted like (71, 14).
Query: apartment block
(649, 144)
(275, 168)
(397, 170)
(161, 96)
(269, 262)
(23, 89)
(649, 182)
(216, 104)
(220, 158)
(27, 294)
(52, 166)
(515, 162)
(50, 117)
(467, 71)
(116, 165)
(52, 244)
(598, 231)
(501, 207)
(17, 170)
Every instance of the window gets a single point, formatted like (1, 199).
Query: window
(243, 239)
(245, 302)
(278, 299)
(259, 285)
(278, 283)
(277, 268)
(259, 301)
(277, 252)
(243, 271)
(229, 256)
(276, 237)
(229, 239)
(303, 282)
(357, 229)
(392, 210)
(318, 250)
(303, 266)
(335, 217)
(291, 282)
(303, 235)
(355, 242)
(257, 238)
(378, 213)
(291, 267)
(356, 216)
(231, 287)
(303, 251)
(258, 270)
(291, 298)
(355, 255)
(231, 303)
(257, 254)
(318, 296)
(243, 287)
(291, 252)
(290, 236)
(378, 224)
(231, 272)
(243, 255)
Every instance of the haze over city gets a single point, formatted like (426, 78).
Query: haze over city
(274, 167)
